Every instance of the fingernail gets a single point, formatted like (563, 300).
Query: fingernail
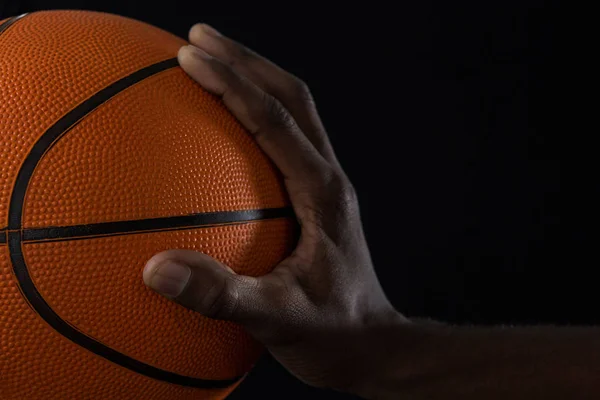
(170, 278)
(210, 30)
(197, 53)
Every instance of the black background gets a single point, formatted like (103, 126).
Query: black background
(449, 120)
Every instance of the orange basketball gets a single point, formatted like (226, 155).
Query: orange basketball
(109, 154)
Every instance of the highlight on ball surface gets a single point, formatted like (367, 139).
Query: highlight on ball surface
(111, 154)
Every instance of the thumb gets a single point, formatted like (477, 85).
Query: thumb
(205, 285)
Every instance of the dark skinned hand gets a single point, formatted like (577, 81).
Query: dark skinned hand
(316, 310)
(322, 312)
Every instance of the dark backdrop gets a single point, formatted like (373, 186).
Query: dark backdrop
(448, 119)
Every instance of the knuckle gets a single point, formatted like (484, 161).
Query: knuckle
(347, 194)
(331, 200)
(327, 181)
(221, 300)
(347, 199)
(243, 53)
(342, 194)
(239, 54)
(300, 90)
(276, 114)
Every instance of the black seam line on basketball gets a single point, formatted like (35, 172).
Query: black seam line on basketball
(158, 225)
(8, 23)
(64, 125)
(15, 242)
(154, 224)
(35, 299)
(183, 228)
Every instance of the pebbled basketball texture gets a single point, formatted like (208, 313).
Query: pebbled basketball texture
(109, 154)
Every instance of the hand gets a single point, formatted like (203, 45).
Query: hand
(322, 312)
(315, 310)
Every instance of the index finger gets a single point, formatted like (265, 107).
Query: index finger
(266, 119)
(285, 87)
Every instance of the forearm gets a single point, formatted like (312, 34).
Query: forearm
(423, 361)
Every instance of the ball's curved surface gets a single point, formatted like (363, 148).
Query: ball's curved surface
(110, 153)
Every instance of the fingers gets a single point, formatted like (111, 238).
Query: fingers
(293, 94)
(273, 127)
(203, 284)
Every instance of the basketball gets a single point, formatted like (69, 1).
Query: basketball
(109, 154)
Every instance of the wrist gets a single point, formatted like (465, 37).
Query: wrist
(376, 347)
(390, 355)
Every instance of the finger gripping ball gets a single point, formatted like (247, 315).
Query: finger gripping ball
(110, 154)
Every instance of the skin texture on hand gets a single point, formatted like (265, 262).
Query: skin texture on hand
(323, 300)
(322, 312)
